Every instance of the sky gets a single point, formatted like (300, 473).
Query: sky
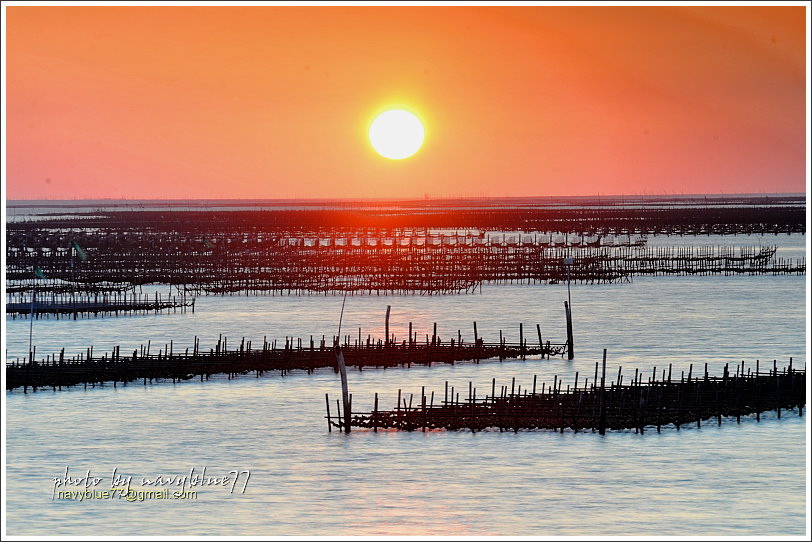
(275, 102)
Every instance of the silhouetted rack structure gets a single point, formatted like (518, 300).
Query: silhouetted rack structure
(56, 371)
(431, 247)
(229, 261)
(51, 304)
(60, 288)
(644, 401)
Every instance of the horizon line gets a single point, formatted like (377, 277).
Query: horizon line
(425, 198)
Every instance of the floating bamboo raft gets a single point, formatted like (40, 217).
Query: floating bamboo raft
(643, 402)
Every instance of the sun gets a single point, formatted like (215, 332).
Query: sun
(396, 134)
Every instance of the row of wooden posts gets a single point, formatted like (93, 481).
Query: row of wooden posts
(56, 371)
(203, 267)
(597, 406)
(44, 305)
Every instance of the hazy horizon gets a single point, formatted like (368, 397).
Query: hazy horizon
(750, 195)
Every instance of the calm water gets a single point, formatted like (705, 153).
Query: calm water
(747, 479)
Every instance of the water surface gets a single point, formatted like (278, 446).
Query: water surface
(737, 479)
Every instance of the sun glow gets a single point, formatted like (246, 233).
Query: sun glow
(396, 134)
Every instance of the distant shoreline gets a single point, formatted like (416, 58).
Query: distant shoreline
(483, 202)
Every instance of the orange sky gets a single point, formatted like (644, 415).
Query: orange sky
(274, 102)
